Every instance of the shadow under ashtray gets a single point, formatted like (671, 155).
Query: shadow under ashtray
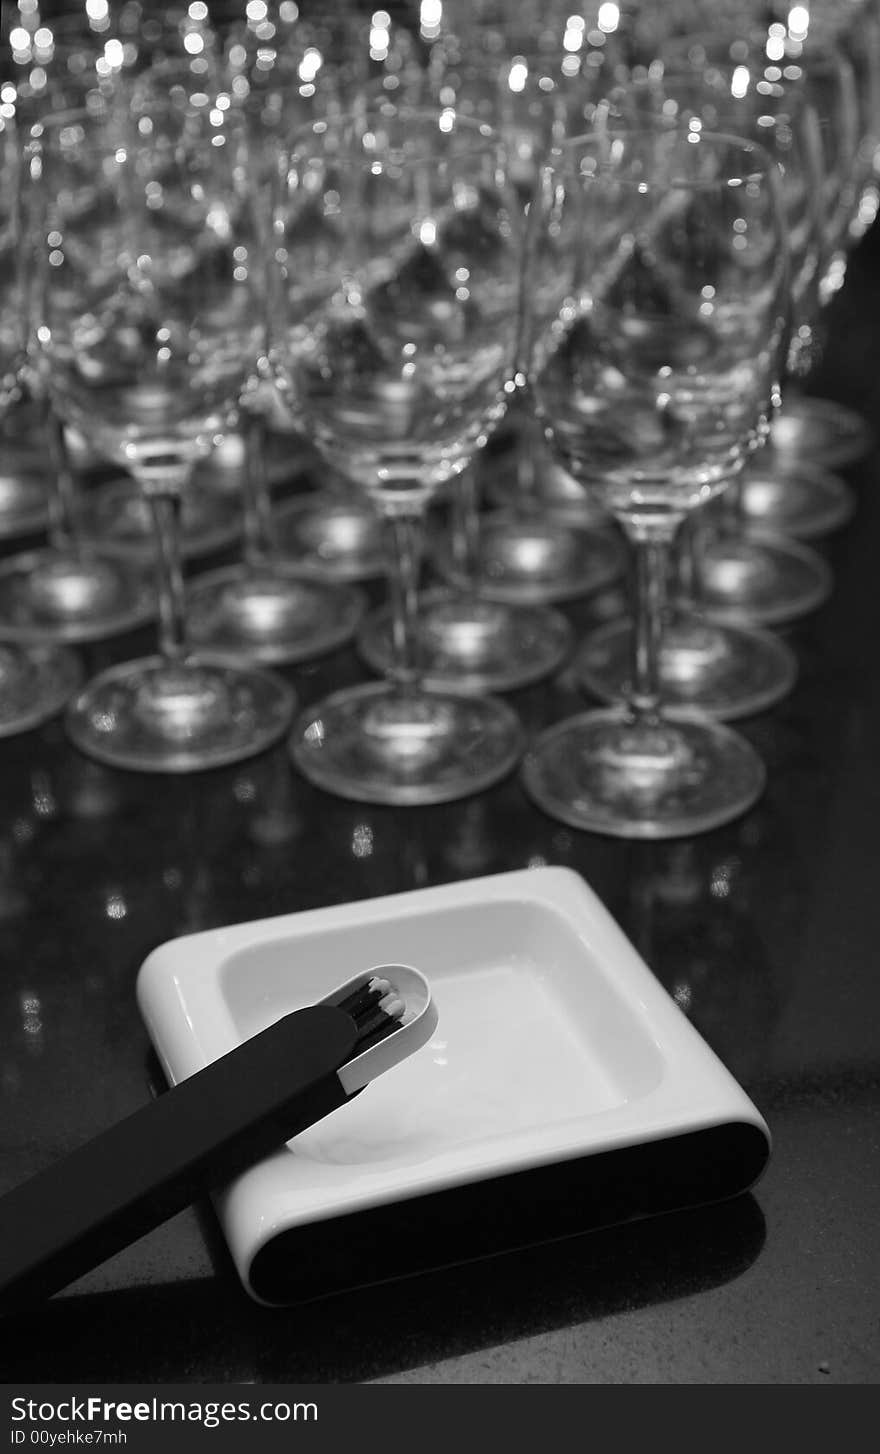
(561, 1090)
(459, 1311)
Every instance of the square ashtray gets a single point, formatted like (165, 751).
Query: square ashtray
(561, 1090)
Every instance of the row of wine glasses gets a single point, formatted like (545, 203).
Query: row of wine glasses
(530, 81)
(748, 69)
(775, 584)
(394, 287)
(79, 590)
(657, 323)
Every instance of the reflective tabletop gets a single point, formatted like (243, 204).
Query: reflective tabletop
(764, 932)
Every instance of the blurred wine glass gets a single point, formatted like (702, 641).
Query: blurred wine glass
(279, 71)
(659, 289)
(69, 590)
(288, 65)
(751, 568)
(812, 436)
(529, 76)
(35, 681)
(398, 243)
(154, 313)
(73, 50)
(816, 432)
(730, 670)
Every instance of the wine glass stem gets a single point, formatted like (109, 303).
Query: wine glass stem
(465, 525)
(406, 529)
(62, 529)
(803, 355)
(652, 547)
(697, 531)
(257, 548)
(733, 518)
(165, 506)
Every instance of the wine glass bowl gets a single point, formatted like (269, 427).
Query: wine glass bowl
(369, 368)
(678, 380)
(76, 59)
(117, 289)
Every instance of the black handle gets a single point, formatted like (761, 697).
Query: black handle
(194, 1137)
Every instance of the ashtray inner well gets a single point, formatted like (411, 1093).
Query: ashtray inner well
(532, 1032)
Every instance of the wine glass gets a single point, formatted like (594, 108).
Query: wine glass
(659, 290)
(815, 431)
(277, 75)
(154, 313)
(72, 52)
(24, 475)
(749, 569)
(796, 490)
(522, 74)
(730, 670)
(786, 498)
(286, 67)
(753, 568)
(398, 244)
(68, 590)
(36, 681)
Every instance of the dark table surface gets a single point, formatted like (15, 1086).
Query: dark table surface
(765, 931)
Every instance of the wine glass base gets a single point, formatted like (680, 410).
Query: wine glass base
(534, 560)
(72, 596)
(35, 684)
(23, 502)
(820, 432)
(604, 773)
(330, 539)
(761, 577)
(796, 499)
(467, 644)
(149, 716)
(723, 670)
(377, 743)
(269, 614)
(552, 491)
(116, 518)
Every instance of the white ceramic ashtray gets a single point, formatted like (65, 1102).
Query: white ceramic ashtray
(561, 1089)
